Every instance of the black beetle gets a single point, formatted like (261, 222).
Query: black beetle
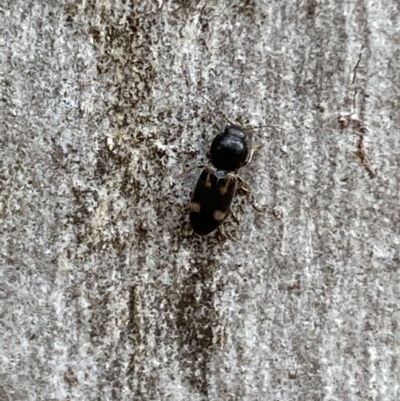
(212, 197)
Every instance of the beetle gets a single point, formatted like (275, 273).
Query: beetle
(213, 194)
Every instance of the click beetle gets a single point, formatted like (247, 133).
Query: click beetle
(213, 194)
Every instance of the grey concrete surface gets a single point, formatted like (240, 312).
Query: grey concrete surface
(105, 292)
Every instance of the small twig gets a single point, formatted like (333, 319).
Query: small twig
(363, 154)
(357, 64)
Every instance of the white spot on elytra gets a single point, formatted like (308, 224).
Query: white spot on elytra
(219, 215)
(195, 207)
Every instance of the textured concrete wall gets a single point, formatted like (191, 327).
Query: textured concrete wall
(105, 292)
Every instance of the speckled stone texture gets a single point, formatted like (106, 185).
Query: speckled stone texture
(106, 293)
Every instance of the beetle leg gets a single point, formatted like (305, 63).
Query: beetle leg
(252, 150)
(234, 218)
(188, 171)
(223, 233)
(259, 209)
(243, 186)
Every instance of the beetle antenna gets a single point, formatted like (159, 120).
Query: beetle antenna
(247, 128)
(250, 127)
(216, 108)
